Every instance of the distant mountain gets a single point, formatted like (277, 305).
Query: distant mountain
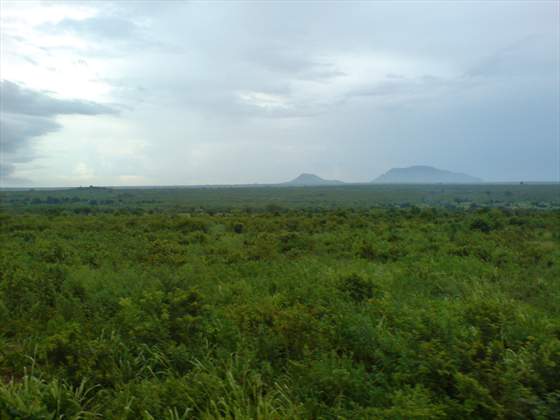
(424, 175)
(311, 180)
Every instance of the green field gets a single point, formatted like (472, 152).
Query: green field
(354, 302)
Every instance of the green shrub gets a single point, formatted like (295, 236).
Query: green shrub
(357, 288)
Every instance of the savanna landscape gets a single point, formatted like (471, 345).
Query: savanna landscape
(147, 304)
(276, 210)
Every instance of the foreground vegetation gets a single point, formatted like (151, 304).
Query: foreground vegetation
(348, 313)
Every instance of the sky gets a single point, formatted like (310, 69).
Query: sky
(189, 93)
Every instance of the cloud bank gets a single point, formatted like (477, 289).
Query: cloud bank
(27, 114)
(259, 92)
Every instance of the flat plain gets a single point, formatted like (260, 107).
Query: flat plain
(429, 301)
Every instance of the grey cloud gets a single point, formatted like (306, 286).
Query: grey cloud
(20, 100)
(26, 114)
(30, 60)
(457, 85)
(406, 87)
(6, 169)
(439, 118)
(18, 129)
(297, 110)
(284, 60)
(108, 27)
(388, 88)
(534, 55)
(110, 35)
(289, 61)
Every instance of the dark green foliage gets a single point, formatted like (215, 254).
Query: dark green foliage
(357, 287)
(481, 225)
(346, 313)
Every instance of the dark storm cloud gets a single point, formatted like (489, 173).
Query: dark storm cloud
(26, 114)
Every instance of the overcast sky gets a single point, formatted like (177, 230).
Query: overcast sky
(160, 93)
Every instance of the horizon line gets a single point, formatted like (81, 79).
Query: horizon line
(286, 184)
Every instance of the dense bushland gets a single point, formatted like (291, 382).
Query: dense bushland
(93, 200)
(417, 313)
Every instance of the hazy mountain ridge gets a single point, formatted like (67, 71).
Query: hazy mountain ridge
(420, 174)
(306, 179)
